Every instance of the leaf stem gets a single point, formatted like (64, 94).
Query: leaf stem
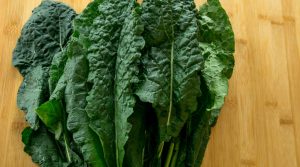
(160, 149)
(67, 148)
(174, 158)
(65, 132)
(171, 84)
(169, 156)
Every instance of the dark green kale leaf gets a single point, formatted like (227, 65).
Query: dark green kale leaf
(75, 92)
(46, 151)
(44, 35)
(33, 92)
(216, 72)
(125, 89)
(215, 88)
(68, 83)
(217, 47)
(53, 116)
(171, 63)
(73, 80)
(96, 36)
(101, 42)
(198, 132)
(57, 69)
(129, 115)
(42, 147)
(215, 27)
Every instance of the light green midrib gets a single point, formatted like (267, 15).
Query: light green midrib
(67, 148)
(171, 83)
(172, 68)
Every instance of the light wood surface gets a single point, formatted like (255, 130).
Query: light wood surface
(260, 123)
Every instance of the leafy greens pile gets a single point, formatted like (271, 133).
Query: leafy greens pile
(122, 83)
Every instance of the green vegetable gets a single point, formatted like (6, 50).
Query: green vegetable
(46, 151)
(103, 39)
(77, 121)
(32, 93)
(217, 47)
(56, 69)
(51, 114)
(45, 34)
(123, 84)
(172, 61)
(126, 78)
(41, 147)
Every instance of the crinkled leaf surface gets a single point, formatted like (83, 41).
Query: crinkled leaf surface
(53, 116)
(45, 33)
(56, 69)
(126, 79)
(75, 93)
(33, 92)
(171, 62)
(98, 34)
(217, 67)
(72, 87)
(215, 26)
(46, 151)
(215, 88)
(217, 47)
(102, 41)
(42, 147)
(118, 96)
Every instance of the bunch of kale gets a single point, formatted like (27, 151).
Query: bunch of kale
(123, 84)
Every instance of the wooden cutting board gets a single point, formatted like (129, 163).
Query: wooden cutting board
(260, 123)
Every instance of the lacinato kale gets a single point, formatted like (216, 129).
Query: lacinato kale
(123, 84)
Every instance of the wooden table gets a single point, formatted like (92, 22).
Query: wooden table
(260, 122)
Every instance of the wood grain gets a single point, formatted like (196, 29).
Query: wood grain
(260, 123)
